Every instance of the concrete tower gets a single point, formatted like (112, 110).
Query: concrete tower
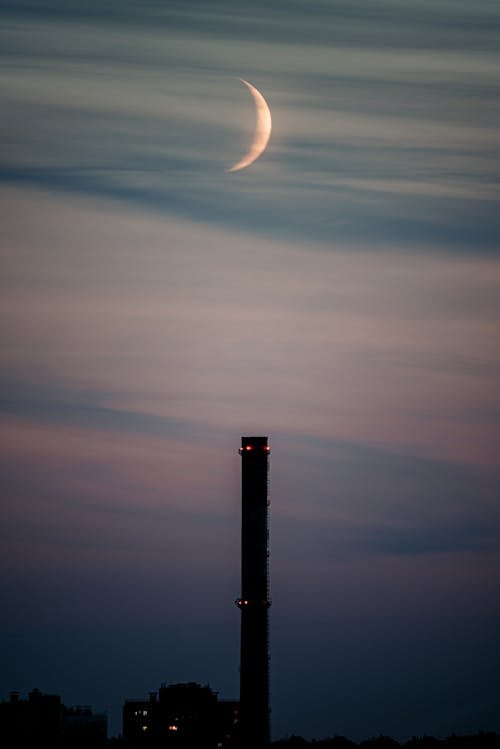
(254, 602)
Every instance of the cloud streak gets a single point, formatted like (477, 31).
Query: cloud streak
(366, 144)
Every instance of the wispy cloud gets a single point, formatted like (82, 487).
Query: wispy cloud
(152, 114)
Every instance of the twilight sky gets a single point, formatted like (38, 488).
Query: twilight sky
(342, 295)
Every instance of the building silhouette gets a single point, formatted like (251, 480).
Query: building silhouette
(42, 719)
(186, 716)
(255, 600)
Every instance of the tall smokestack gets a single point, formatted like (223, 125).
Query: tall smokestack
(254, 602)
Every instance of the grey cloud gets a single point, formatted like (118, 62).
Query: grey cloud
(46, 402)
(369, 499)
(375, 500)
(449, 537)
(324, 216)
(147, 119)
(447, 24)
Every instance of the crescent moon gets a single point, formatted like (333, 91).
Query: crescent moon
(263, 124)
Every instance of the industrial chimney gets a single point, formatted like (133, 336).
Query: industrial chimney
(254, 602)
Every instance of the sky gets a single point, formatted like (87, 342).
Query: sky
(340, 295)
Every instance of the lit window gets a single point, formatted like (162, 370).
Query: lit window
(144, 712)
(173, 728)
(144, 728)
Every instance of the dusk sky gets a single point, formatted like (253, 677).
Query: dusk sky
(340, 295)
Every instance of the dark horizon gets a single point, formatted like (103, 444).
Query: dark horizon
(43, 726)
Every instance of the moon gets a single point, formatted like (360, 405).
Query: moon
(262, 132)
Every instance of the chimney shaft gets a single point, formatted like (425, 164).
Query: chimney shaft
(254, 602)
